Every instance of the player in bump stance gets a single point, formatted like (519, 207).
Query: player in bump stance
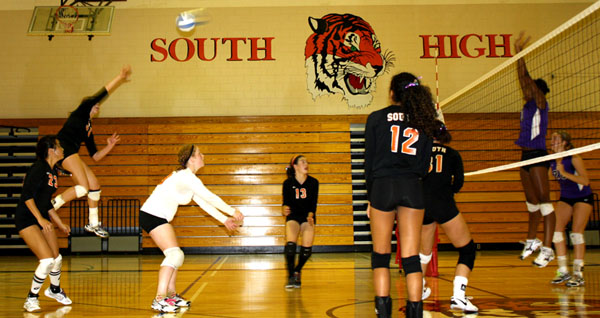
(78, 129)
(300, 195)
(445, 178)
(398, 141)
(575, 205)
(179, 188)
(33, 221)
(534, 177)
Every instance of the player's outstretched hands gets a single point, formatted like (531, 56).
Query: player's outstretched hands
(521, 42)
(238, 216)
(230, 224)
(113, 140)
(125, 73)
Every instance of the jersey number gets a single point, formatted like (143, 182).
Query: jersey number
(438, 163)
(53, 181)
(301, 193)
(410, 133)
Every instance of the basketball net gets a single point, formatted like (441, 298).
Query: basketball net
(67, 15)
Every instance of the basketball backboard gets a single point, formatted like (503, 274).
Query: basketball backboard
(79, 20)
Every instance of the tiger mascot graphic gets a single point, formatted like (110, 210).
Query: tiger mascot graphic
(344, 56)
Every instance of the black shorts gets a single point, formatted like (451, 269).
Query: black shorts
(587, 199)
(149, 222)
(439, 210)
(391, 192)
(536, 153)
(25, 219)
(300, 218)
(69, 148)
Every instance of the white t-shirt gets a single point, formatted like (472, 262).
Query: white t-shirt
(179, 188)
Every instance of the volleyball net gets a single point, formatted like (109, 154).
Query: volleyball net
(484, 116)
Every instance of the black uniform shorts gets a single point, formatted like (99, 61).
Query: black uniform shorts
(25, 219)
(439, 210)
(300, 218)
(530, 154)
(69, 148)
(149, 222)
(589, 199)
(388, 193)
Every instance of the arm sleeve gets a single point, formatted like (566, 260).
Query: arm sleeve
(90, 144)
(459, 173)
(31, 182)
(369, 153)
(88, 102)
(205, 197)
(99, 96)
(315, 197)
(287, 197)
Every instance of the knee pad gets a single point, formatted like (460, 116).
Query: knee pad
(577, 238)
(44, 268)
(546, 208)
(94, 195)
(557, 237)
(80, 191)
(173, 257)
(411, 264)
(380, 260)
(57, 263)
(466, 255)
(290, 248)
(425, 259)
(306, 251)
(532, 207)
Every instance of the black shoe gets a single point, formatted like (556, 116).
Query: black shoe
(414, 309)
(383, 307)
(297, 281)
(290, 283)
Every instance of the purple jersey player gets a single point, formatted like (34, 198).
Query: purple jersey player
(534, 177)
(575, 201)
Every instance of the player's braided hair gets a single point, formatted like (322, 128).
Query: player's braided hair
(184, 155)
(417, 101)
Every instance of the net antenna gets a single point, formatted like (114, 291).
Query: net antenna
(485, 115)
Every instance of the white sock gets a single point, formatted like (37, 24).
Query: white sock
(93, 216)
(58, 202)
(55, 271)
(578, 266)
(562, 264)
(460, 286)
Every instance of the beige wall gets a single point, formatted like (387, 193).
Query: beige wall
(42, 78)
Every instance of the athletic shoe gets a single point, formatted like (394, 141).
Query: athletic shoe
(530, 247)
(463, 304)
(32, 304)
(98, 230)
(546, 256)
(61, 297)
(291, 282)
(426, 292)
(180, 301)
(561, 277)
(576, 281)
(164, 305)
(297, 280)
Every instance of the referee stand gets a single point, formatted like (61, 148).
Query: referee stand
(432, 268)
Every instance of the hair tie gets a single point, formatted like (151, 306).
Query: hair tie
(413, 83)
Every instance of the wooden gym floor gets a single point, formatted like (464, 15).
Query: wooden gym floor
(333, 285)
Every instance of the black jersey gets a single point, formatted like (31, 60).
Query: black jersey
(78, 127)
(40, 184)
(301, 198)
(393, 148)
(446, 173)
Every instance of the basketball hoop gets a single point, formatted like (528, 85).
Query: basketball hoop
(67, 16)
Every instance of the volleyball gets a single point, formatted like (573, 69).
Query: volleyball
(185, 22)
